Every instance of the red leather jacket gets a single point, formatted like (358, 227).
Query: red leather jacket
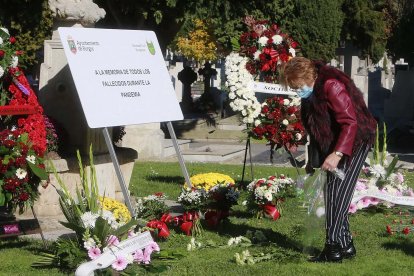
(343, 112)
(335, 115)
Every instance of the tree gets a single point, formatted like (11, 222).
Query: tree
(365, 26)
(30, 21)
(400, 15)
(199, 44)
(317, 26)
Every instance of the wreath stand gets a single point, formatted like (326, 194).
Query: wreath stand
(14, 227)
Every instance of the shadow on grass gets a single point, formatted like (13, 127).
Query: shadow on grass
(167, 179)
(405, 245)
(14, 242)
(281, 240)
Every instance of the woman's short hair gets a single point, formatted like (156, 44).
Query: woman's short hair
(297, 71)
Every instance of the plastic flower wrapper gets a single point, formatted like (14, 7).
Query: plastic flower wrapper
(315, 210)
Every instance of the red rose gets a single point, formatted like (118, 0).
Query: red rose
(12, 40)
(23, 196)
(2, 53)
(294, 44)
(265, 109)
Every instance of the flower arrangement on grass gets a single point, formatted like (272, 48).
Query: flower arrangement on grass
(23, 132)
(194, 201)
(266, 194)
(221, 198)
(207, 181)
(279, 122)
(153, 209)
(381, 177)
(100, 223)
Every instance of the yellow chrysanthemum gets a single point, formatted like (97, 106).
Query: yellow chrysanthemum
(120, 211)
(209, 180)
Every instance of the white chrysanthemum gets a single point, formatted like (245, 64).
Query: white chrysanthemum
(298, 136)
(292, 52)
(263, 40)
(31, 159)
(89, 219)
(257, 122)
(21, 173)
(1, 71)
(377, 170)
(285, 122)
(14, 61)
(286, 102)
(277, 39)
(257, 54)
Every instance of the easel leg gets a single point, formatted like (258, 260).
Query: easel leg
(121, 179)
(179, 155)
(248, 147)
(41, 232)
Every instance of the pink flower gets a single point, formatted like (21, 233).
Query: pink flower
(94, 253)
(360, 186)
(366, 201)
(374, 200)
(365, 169)
(138, 256)
(147, 253)
(112, 240)
(120, 263)
(154, 246)
(352, 208)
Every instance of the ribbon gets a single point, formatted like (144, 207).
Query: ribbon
(271, 210)
(161, 226)
(11, 229)
(186, 221)
(21, 87)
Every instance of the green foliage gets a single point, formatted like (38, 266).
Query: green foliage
(30, 21)
(317, 26)
(365, 26)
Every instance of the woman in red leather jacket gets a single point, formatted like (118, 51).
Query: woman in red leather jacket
(341, 131)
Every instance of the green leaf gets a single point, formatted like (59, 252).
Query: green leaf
(101, 230)
(2, 199)
(391, 167)
(39, 172)
(235, 44)
(124, 228)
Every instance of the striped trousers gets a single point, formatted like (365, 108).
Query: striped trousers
(338, 195)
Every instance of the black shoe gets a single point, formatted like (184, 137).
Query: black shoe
(349, 251)
(331, 253)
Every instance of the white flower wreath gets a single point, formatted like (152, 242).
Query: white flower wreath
(242, 97)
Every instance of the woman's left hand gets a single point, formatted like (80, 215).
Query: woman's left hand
(331, 162)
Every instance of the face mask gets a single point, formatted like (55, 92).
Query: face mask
(305, 92)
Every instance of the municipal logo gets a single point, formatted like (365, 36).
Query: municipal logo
(151, 47)
(72, 45)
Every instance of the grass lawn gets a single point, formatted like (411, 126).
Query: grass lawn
(378, 254)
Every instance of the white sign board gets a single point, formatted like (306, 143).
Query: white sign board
(108, 258)
(120, 76)
(271, 88)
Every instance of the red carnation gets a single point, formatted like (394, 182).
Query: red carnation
(12, 40)
(2, 53)
(265, 109)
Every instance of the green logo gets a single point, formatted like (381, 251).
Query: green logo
(151, 47)
(72, 45)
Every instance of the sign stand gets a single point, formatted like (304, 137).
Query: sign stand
(120, 176)
(179, 155)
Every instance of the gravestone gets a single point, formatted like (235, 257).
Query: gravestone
(399, 108)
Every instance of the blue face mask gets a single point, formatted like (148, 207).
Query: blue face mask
(305, 92)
